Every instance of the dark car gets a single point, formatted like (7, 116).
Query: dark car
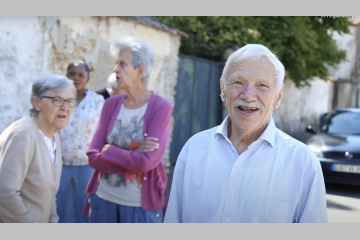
(337, 145)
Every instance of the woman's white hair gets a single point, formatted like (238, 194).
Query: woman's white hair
(142, 54)
(252, 52)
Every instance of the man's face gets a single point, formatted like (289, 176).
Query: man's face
(250, 94)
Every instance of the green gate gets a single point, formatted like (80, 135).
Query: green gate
(197, 100)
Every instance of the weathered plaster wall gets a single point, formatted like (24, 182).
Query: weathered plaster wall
(22, 60)
(345, 42)
(31, 47)
(347, 74)
(302, 107)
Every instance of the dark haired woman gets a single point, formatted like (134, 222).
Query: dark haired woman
(76, 138)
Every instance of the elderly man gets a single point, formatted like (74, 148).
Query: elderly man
(247, 170)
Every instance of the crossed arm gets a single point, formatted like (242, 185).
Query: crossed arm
(111, 159)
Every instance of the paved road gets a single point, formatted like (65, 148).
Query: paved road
(343, 203)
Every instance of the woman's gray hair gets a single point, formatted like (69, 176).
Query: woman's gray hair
(252, 52)
(142, 54)
(50, 82)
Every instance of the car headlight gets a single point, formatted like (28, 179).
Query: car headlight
(317, 151)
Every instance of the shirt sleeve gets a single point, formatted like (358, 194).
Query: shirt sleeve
(99, 141)
(16, 158)
(174, 208)
(313, 196)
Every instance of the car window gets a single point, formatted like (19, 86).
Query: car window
(342, 123)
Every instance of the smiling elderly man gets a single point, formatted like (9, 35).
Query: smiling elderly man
(247, 170)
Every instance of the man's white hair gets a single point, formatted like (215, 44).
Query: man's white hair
(252, 52)
(111, 81)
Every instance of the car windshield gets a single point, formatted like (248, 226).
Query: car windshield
(342, 123)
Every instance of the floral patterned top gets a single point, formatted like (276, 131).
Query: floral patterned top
(77, 135)
(127, 133)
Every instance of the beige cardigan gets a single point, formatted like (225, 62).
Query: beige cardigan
(29, 179)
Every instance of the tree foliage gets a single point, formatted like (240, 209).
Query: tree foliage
(303, 44)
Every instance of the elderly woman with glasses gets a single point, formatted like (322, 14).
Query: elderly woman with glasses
(129, 181)
(76, 138)
(30, 156)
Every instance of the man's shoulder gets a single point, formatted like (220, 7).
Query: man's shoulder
(204, 135)
(293, 143)
(198, 144)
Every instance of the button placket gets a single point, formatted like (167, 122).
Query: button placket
(234, 186)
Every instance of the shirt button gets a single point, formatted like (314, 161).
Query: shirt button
(228, 220)
(232, 191)
(239, 163)
(157, 215)
(144, 178)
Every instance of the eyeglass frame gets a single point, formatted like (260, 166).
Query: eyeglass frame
(64, 100)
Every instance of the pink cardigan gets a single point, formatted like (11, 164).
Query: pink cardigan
(117, 160)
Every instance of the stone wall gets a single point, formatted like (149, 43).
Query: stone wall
(347, 74)
(32, 47)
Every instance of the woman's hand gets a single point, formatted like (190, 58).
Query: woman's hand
(105, 147)
(148, 145)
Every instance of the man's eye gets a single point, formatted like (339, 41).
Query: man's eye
(57, 100)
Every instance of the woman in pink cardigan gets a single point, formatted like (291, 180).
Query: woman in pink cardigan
(129, 181)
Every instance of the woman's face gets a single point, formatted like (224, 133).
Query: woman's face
(78, 74)
(126, 74)
(55, 118)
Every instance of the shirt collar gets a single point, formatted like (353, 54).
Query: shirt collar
(268, 135)
(48, 141)
(223, 128)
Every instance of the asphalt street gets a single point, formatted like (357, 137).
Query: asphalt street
(343, 203)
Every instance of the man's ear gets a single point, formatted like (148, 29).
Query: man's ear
(35, 100)
(279, 97)
(222, 91)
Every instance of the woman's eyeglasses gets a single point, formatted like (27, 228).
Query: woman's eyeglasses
(59, 101)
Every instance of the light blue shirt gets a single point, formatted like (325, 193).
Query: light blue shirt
(276, 179)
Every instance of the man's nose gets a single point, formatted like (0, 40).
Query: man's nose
(248, 93)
